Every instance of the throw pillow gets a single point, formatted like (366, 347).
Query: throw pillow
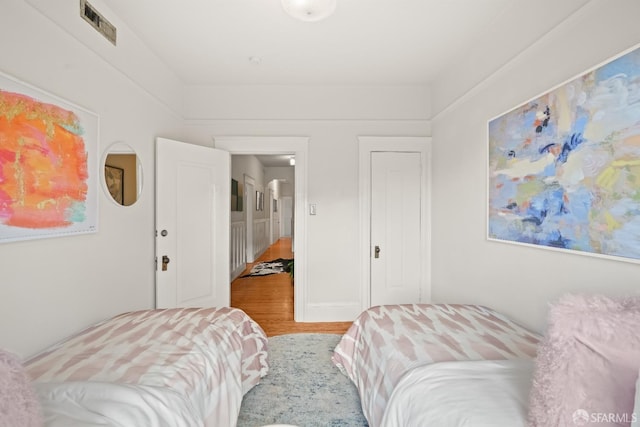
(18, 403)
(587, 364)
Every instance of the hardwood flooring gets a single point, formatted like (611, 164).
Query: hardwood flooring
(269, 299)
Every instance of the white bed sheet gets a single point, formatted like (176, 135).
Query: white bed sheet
(92, 404)
(485, 393)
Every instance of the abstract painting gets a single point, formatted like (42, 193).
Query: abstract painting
(564, 168)
(240, 197)
(48, 165)
(234, 195)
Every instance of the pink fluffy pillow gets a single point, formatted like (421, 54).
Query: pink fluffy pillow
(18, 403)
(587, 365)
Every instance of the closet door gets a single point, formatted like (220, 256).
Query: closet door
(396, 190)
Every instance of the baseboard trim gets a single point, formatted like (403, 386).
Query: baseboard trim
(332, 312)
(237, 272)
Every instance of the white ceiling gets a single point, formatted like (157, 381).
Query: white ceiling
(365, 42)
(275, 160)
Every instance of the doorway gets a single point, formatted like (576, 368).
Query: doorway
(297, 146)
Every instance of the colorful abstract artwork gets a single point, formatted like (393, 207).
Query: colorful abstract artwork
(47, 165)
(564, 168)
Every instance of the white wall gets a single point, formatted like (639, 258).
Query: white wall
(286, 175)
(466, 267)
(332, 174)
(248, 165)
(312, 102)
(242, 165)
(51, 288)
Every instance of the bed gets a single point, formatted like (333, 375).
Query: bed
(167, 367)
(478, 393)
(394, 355)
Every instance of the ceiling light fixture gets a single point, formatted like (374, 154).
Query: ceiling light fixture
(309, 10)
(292, 161)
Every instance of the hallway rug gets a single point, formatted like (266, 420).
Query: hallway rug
(280, 265)
(303, 387)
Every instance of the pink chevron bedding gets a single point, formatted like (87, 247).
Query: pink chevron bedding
(386, 342)
(185, 366)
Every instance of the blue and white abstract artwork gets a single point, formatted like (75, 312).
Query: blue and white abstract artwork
(564, 168)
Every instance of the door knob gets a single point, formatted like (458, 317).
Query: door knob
(165, 261)
(377, 252)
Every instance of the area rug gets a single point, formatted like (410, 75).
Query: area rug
(280, 265)
(303, 387)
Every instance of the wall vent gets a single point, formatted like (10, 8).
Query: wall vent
(97, 21)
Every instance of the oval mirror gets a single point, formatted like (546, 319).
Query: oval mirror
(122, 174)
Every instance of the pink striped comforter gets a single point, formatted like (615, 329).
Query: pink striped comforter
(198, 361)
(386, 342)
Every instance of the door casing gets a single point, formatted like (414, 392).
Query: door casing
(366, 146)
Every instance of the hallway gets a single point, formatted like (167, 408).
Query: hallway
(269, 299)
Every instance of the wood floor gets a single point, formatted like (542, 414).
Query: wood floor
(269, 299)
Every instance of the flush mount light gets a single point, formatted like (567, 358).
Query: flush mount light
(292, 161)
(309, 10)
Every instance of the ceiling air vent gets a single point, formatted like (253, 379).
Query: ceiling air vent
(97, 21)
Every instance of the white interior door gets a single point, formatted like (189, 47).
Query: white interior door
(287, 216)
(250, 206)
(271, 231)
(276, 220)
(192, 225)
(396, 190)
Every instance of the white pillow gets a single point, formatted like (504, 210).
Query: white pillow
(635, 422)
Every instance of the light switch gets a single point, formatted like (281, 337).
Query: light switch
(312, 209)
